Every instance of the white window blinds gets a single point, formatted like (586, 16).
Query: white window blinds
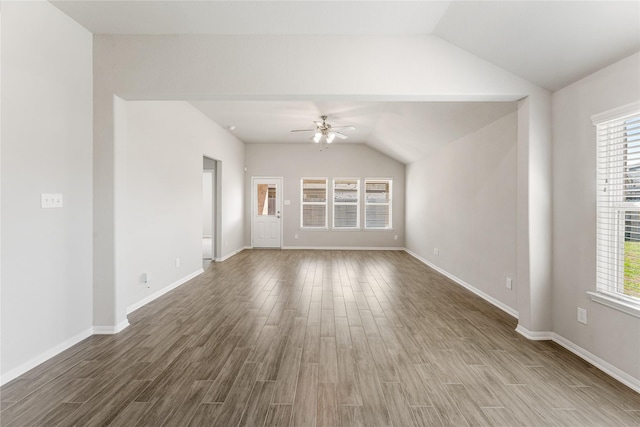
(314, 203)
(377, 201)
(346, 203)
(618, 203)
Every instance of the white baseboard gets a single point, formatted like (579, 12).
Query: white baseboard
(603, 365)
(481, 294)
(345, 248)
(43, 357)
(158, 294)
(534, 335)
(226, 257)
(109, 329)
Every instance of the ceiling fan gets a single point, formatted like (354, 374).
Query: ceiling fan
(325, 131)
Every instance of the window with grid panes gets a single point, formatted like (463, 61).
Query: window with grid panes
(346, 203)
(618, 209)
(313, 203)
(377, 203)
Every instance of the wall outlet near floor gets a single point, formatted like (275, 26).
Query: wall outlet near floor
(582, 315)
(436, 251)
(395, 237)
(295, 236)
(177, 262)
(509, 283)
(146, 278)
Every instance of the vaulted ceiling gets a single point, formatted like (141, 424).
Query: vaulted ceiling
(549, 43)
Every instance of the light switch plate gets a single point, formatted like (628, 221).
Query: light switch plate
(51, 200)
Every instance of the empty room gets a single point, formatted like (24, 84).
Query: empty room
(320, 213)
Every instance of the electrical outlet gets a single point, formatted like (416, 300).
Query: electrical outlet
(509, 283)
(395, 237)
(295, 236)
(582, 315)
(436, 251)
(146, 278)
(177, 262)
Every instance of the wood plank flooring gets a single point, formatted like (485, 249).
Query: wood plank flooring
(318, 338)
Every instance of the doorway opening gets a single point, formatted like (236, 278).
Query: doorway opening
(210, 169)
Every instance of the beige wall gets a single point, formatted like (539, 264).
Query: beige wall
(162, 210)
(462, 202)
(610, 335)
(46, 148)
(294, 161)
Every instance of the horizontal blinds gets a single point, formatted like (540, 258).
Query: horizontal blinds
(345, 216)
(618, 206)
(314, 216)
(314, 203)
(377, 213)
(346, 202)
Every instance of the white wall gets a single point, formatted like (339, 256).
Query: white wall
(462, 200)
(294, 161)
(46, 148)
(416, 68)
(163, 211)
(610, 334)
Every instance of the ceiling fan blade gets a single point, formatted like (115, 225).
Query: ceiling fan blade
(303, 130)
(343, 127)
(340, 135)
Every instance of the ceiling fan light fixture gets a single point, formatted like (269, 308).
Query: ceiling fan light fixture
(317, 137)
(330, 137)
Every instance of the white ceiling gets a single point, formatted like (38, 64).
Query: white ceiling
(406, 131)
(550, 43)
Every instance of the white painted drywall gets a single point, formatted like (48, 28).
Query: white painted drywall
(411, 68)
(46, 148)
(462, 200)
(610, 334)
(294, 161)
(162, 215)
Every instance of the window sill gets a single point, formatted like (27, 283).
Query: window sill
(616, 303)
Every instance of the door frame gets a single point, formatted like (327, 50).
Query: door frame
(253, 206)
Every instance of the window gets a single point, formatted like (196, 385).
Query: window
(618, 206)
(314, 203)
(377, 203)
(346, 203)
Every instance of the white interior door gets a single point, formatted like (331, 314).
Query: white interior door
(266, 212)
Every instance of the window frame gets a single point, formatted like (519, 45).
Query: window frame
(612, 158)
(388, 203)
(325, 203)
(335, 203)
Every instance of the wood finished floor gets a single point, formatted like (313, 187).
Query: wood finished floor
(318, 338)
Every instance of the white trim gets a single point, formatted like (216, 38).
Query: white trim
(158, 294)
(346, 248)
(615, 303)
(604, 366)
(110, 330)
(44, 356)
(599, 363)
(236, 252)
(534, 335)
(279, 205)
(616, 113)
(502, 306)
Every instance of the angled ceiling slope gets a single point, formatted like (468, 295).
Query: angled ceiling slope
(405, 131)
(550, 43)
